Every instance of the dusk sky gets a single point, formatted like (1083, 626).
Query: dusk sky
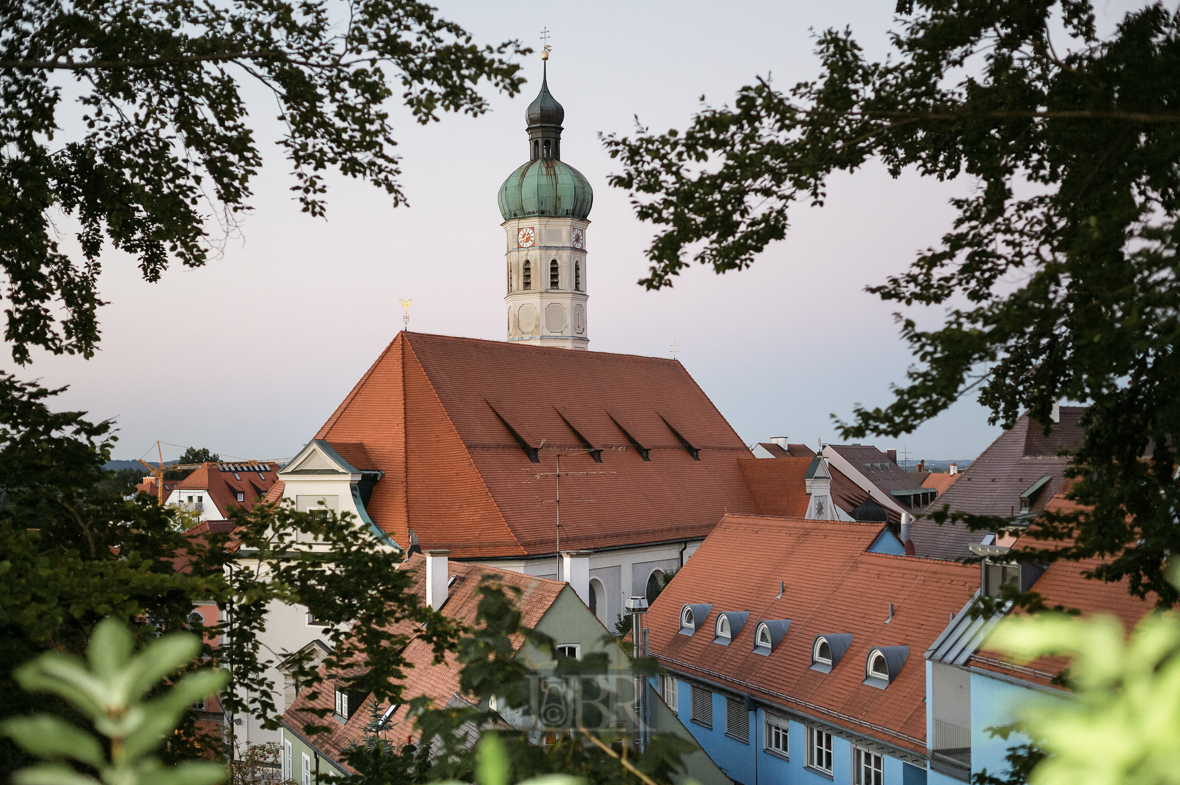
(249, 355)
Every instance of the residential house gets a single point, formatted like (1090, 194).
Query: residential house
(1013, 479)
(792, 646)
(878, 473)
(972, 689)
(216, 488)
(548, 606)
(778, 447)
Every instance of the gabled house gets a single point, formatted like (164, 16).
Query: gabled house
(456, 443)
(451, 587)
(216, 488)
(973, 688)
(878, 474)
(792, 650)
(1013, 479)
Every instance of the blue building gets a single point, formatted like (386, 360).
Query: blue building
(792, 650)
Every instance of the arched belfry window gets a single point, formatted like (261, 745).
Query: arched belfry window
(554, 275)
(547, 149)
(577, 276)
(536, 149)
(527, 275)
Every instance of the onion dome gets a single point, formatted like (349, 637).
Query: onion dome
(545, 186)
(870, 512)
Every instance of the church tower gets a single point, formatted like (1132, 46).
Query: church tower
(545, 204)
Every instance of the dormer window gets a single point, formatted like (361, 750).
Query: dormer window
(692, 616)
(883, 664)
(768, 634)
(341, 704)
(763, 638)
(687, 622)
(821, 653)
(723, 627)
(241, 496)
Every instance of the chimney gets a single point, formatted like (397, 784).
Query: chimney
(436, 578)
(954, 468)
(892, 455)
(907, 521)
(922, 465)
(576, 566)
(781, 441)
(1055, 413)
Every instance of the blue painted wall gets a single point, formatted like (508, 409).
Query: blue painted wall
(752, 764)
(993, 703)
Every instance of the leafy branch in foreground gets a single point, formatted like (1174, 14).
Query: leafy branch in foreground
(1059, 275)
(165, 146)
(110, 689)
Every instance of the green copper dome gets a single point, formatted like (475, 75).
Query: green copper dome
(545, 185)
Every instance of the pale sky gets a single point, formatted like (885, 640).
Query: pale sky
(249, 355)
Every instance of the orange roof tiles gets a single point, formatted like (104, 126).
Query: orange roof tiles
(224, 481)
(451, 421)
(940, 481)
(438, 682)
(831, 585)
(779, 484)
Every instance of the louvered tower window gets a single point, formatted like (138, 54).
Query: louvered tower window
(577, 276)
(554, 275)
(527, 278)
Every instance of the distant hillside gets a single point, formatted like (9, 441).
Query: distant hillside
(937, 466)
(116, 465)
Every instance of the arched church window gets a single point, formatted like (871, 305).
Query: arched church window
(527, 282)
(554, 275)
(536, 149)
(577, 276)
(547, 148)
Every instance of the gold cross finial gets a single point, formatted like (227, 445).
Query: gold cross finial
(406, 313)
(545, 40)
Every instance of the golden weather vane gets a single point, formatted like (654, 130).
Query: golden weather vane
(406, 313)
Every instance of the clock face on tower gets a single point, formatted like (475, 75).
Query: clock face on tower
(526, 237)
(579, 238)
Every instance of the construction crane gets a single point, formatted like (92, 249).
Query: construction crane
(158, 471)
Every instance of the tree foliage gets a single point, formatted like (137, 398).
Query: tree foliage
(1059, 276)
(164, 149)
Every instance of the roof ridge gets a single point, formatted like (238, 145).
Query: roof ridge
(932, 561)
(850, 524)
(528, 347)
(322, 433)
(466, 451)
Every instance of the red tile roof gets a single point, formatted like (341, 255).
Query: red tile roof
(778, 484)
(790, 451)
(148, 486)
(451, 422)
(439, 682)
(940, 481)
(831, 585)
(224, 481)
(1064, 584)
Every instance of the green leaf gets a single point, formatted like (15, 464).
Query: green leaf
(66, 676)
(164, 656)
(51, 774)
(110, 649)
(491, 766)
(53, 739)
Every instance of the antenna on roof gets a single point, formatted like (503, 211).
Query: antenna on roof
(675, 350)
(406, 314)
(557, 475)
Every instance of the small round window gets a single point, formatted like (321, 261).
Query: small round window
(822, 652)
(686, 620)
(878, 667)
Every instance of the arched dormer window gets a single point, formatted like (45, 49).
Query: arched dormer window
(723, 626)
(762, 639)
(577, 276)
(821, 652)
(687, 621)
(554, 275)
(527, 275)
(878, 668)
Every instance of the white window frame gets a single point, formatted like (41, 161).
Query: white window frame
(822, 742)
(816, 657)
(868, 767)
(563, 648)
(306, 778)
(687, 619)
(874, 657)
(341, 703)
(723, 627)
(286, 762)
(776, 737)
(762, 630)
(669, 691)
